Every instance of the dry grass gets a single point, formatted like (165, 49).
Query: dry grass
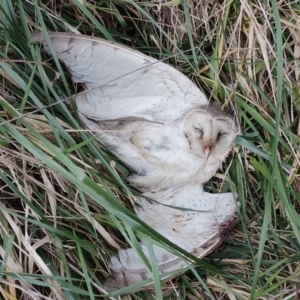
(61, 193)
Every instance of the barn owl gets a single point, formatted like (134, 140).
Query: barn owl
(165, 155)
(162, 126)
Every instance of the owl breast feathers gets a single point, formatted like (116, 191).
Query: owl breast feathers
(163, 128)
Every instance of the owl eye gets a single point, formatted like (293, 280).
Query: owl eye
(220, 134)
(200, 130)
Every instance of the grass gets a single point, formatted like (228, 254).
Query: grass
(65, 207)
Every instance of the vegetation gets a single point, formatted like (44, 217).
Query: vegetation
(65, 207)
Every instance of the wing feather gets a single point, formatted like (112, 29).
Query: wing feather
(198, 231)
(123, 82)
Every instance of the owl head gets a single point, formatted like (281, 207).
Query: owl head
(210, 131)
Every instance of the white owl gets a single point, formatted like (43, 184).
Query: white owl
(161, 125)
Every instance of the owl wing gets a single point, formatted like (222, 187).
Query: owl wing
(122, 82)
(198, 231)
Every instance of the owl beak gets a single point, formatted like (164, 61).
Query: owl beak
(207, 151)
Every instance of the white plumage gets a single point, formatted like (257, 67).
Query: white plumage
(128, 82)
(161, 125)
(198, 230)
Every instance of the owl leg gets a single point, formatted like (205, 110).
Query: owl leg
(127, 153)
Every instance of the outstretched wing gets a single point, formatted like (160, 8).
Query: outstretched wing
(122, 82)
(199, 231)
